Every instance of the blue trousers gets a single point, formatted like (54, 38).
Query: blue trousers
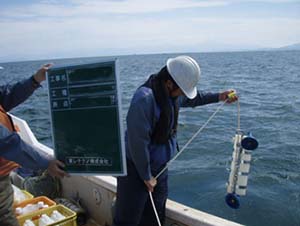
(133, 204)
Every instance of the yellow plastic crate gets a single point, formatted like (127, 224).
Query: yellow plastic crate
(70, 219)
(35, 200)
(27, 195)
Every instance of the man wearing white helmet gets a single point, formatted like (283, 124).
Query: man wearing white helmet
(151, 138)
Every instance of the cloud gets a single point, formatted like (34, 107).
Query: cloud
(149, 33)
(79, 8)
(146, 6)
(85, 28)
(96, 8)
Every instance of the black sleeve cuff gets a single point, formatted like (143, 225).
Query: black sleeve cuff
(35, 84)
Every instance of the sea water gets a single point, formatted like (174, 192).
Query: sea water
(268, 85)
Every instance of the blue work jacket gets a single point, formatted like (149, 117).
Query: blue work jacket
(143, 114)
(12, 147)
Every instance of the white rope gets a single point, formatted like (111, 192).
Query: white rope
(155, 211)
(190, 140)
(182, 149)
(238, 116)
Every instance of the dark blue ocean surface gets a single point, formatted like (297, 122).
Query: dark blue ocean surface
(268, 84)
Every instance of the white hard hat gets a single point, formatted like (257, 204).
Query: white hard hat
(186, 73)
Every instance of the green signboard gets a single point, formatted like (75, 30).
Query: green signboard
(85, 104)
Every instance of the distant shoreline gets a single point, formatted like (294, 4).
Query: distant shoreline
(282, 49)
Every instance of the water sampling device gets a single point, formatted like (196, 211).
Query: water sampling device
(243, 145)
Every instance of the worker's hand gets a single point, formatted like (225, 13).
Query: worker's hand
(150, 184)
(40, 75)
(55, 169)
(225, 96)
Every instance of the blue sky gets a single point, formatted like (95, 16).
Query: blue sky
(77, 28)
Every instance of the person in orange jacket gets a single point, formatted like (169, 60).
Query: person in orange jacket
(14, 152)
